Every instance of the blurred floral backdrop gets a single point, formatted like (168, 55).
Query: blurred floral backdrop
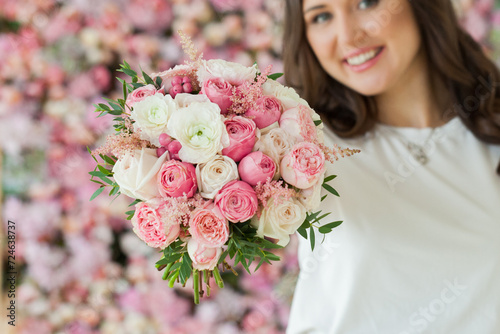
(80, 268)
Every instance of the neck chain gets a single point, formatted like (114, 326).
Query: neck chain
(417, 151)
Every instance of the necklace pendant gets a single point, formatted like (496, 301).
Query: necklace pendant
(418, 153)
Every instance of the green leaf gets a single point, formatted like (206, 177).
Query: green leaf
(331, 190)
(329, 227)
(158, 82)
(104, 170)
(302, 232)
(147, 78)
(275, 76)
(97, 174)
(329, 178)
(108, 160)
(318, 122)
(135, 202)
(96, 193)
(186, 269)
(104, 106)
(169, 259)
(322, 198)
(313, 216)
(262, 260)
(312, 238)
(90, 152)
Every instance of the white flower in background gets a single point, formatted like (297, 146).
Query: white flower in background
(278, 221)
(151, 116)
(201, 131)
(234, 73)
(136, 174)
(214, 174)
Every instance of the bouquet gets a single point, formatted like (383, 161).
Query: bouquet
(223, 163)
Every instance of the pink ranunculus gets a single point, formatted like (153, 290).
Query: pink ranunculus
(149, 224)
(140, 94)
(209, 227)
(241, 131)
(266, 111)
(298, 123)
(237, 201)
(303, 166)
(256, 167)
(177, 178)
(218, 91)
(203, 257)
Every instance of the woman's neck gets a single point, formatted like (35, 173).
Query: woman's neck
(416, 101)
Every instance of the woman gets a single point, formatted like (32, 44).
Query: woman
(419, 249)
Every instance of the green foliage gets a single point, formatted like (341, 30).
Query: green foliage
(313, 220)
(102, 173)
(275, 76)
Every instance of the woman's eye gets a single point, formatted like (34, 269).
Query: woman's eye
(321, 18)
(364, 4)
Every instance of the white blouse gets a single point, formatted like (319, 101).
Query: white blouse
(419, 248)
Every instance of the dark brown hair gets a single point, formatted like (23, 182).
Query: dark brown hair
(453, 56)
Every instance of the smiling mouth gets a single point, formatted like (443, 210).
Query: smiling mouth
(363, 57)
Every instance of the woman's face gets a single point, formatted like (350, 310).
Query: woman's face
(368, 45)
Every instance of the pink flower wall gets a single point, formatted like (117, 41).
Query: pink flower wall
(80, 267)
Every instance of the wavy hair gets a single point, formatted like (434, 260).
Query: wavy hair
(452, 54)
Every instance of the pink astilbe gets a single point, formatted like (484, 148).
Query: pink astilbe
(180, 208)
(246, 95)
(122, 143)
(332, 154)
(277, 190)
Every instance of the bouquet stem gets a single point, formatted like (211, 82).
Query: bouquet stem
(196, 286)
(172, 279)
(206, 278)
(167, 271)
(218, 279)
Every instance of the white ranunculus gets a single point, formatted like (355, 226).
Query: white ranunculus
(201, 131)
(214, 174)
(234, 73)
(287, 95)
(136, 174)
(151, 116)
(311, 197)
(279, 221)
(182, 100)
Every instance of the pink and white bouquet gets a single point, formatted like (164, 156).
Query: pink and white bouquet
(223, 162)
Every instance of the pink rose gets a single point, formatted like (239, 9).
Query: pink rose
(242, 138)
(177, 178)
(140, 94)
(218, 91)
(150, 225)
(266, 111)
(303, 166)
(203, 257)
(298, 123)
(256, 167)
(237, 201)
(209, 227)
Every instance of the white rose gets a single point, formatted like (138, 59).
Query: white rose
(234, 73)
(287, 95)
(182, 100)
(279, 221)
(214, 174)
(201, 131)
(311, 197)
(151, 116)
(136, 175)
(203, 257)
(275, 144)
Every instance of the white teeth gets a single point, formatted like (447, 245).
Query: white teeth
(362, 58)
